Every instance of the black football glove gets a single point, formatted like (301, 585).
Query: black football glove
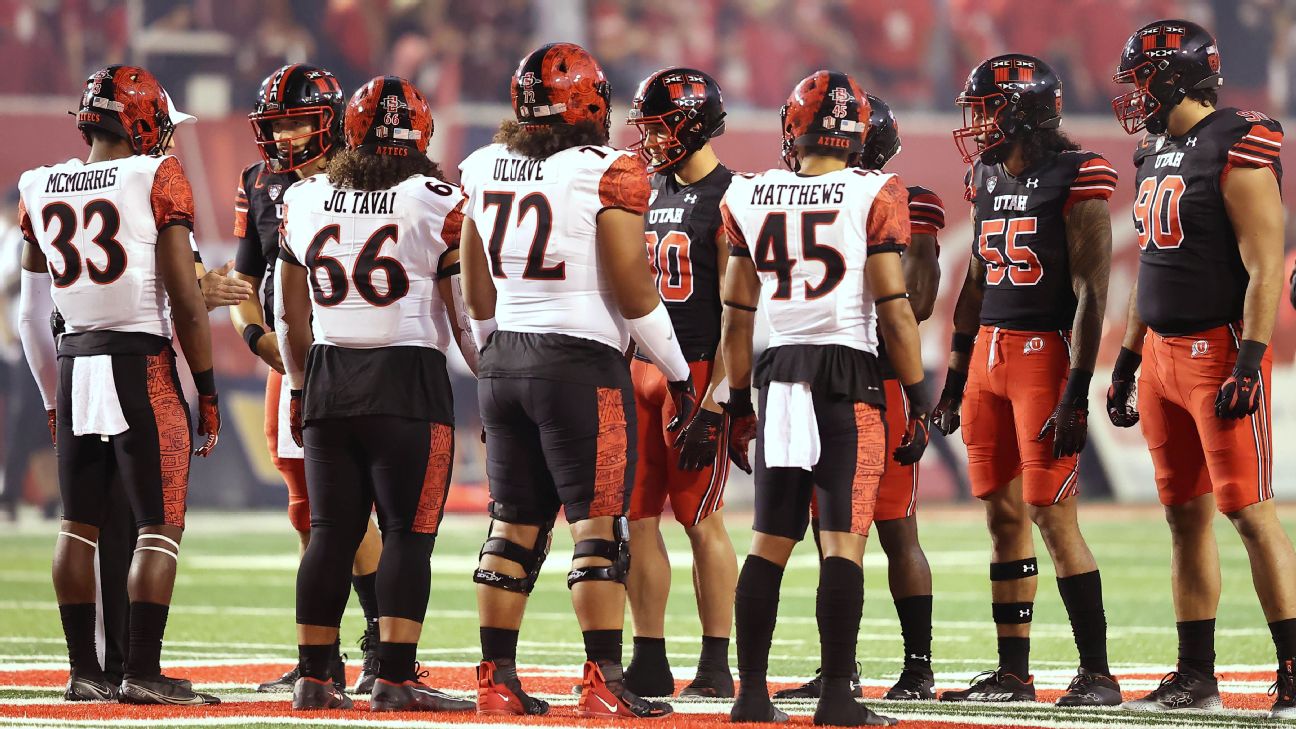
(742, 426)
(295, 418)
(686, 402)
(1069, 422)
(946, 415)
(1239, 396)
(1122, 396)
(698, 441)
(917, 432)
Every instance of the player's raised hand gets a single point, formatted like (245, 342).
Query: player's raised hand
(219, 289)
(946, 415)
(209, 423)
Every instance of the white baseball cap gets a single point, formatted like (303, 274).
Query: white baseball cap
(177, 117)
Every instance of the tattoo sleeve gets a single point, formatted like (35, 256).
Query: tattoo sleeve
(1089, 242)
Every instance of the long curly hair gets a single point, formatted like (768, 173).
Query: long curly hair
(540, 142)
(362, 171)
(1038, 144)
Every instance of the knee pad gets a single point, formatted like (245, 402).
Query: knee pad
(530, 558)
(616, 550)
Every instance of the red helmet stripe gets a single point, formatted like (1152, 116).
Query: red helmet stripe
(283, 81)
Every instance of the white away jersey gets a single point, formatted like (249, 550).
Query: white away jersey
(809, 238)
(373, 259)
(537, 218)
(98, 225)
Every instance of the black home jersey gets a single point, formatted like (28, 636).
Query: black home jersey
(1191, 276)
(258, 211)
(681, 228)
(1020, 236)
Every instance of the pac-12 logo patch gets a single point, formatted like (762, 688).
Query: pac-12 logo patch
(1199, 348)
(273, 191)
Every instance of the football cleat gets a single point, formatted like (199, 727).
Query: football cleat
(369, 648)
(414, 696)
(89, 687)
(499, 691)
(812, 688)
(310, 694)
(710, 683)
(913, 685)
(837, 707)
(161, 689)
(1091, 689)
(655, 680)
(994, 687)
(1180, 690)
(283, 684)
(604, 695)
(756, 708)
(1284, 692)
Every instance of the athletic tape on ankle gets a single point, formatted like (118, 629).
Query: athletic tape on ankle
(161, 538)
(79, 538)
(1013, 613)
(1018, 570)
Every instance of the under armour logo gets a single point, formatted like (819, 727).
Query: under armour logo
(690, 198)
(1026, 568)
(1192, 142)
(1025, 613)
(1032, 183)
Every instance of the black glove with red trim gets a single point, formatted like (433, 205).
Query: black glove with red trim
(918, 430)
(295, 418)
(946, 415)
(1122, 396)
(686, 402)
(1239, 396)
(699, 440)
(1069, 422)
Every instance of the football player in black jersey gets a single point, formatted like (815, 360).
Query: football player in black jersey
(1041, 258)
(297, 122)
(895, 513)
(677, 112)
(1209, 217)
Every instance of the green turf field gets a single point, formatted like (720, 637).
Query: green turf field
(234, 601)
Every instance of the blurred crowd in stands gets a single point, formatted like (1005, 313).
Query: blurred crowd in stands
(913, 52)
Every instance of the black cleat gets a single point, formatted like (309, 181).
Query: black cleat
(837, 707)
(161, 689)
(604, 695)
(1091, 689)
(369, 648)
(89, 687)
(414, 696)
(710, 683)
(282, 685)
(812, 688)
(310, 694)
(994, 687)
(756, 708)
(914, 684)
(338, 674)
(1180, 690)
(650, 680)
(1284, 692)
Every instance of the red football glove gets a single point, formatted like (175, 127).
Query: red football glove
(295, 419)
(209, 423)
(52, 414)
(742, 426)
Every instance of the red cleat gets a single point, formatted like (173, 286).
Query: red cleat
(499, 691)
(604, 696)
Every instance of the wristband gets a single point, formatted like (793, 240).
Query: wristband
(962, 343)
(294, 394)
(1077, 387)
(917, 395)
(1127, 362)
(1250, 353)
(252, 334)
(740, 400)
(205, 381)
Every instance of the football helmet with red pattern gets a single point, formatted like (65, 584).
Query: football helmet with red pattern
(826, 109)
(128, 102)
(560, 83)
(388, 116)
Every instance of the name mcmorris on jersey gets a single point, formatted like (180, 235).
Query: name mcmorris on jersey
(518, 170)
(81, 181)
(381, 202)
(832, 193)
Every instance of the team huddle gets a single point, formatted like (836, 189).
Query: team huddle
(611, 382)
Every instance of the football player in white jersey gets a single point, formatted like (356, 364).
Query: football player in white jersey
(555, 292)
(108, 244)
(818, 247)
(365, 314)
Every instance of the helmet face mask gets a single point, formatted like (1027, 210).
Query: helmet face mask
(677, 111)
(288, 153)
(981, 134)
(298, 93)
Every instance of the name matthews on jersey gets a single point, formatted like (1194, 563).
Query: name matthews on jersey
(832, 193)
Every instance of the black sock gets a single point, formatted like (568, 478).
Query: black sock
(755, 611)
(498, 643)
(1082, 596)
(1197, 646)
(1284, 638)
(316, 661)
(649, 653)
(79, 630)
(715, 653)
(1014, 656)
(366, 590)
(147, 624)
(603, 645)
(396, 661)
(839, 603)
(915, 613)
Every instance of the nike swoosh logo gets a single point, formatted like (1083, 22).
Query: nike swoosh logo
(610, 707)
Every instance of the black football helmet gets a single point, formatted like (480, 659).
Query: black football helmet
(298, 91)
(1005, 99)
(1164, 60)
(826, 109)
(685, 101)
(882, 140)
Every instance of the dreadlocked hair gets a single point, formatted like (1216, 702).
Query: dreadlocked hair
(542, 141)
(360, 171)
(1040, 143)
